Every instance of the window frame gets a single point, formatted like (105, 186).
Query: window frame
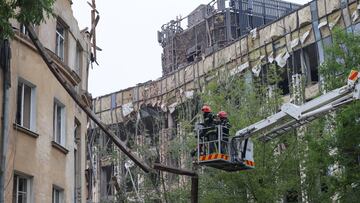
(61, 36)
(62, 139)
(60, 192)
(29, 187)
(32, 100)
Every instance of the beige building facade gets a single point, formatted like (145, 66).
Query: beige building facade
(46, 156)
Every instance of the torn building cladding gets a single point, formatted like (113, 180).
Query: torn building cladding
(213, 26)
(148, 113)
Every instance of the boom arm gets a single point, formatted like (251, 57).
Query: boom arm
(292, 116)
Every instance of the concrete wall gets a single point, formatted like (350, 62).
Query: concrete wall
(31, 152)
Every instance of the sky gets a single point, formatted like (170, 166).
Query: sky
(127, 34)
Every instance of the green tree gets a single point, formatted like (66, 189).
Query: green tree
(28, 12)
(343, 56)
(248, 99)
(277, 175)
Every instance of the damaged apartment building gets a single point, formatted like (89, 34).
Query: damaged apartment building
(238, 38)
(212, 26)
(43, 131)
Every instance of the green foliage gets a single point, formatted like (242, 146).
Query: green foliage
(28, 12)
(341, 57)
(326, 150)
(248, 100)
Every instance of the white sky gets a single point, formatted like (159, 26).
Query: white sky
(127, 33)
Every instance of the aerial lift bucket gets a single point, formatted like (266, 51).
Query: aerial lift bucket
(221, 152)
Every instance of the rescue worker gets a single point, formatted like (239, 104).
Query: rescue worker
(208, 119)
(210, 131)
(207, 115)
(225, 127)
(224, 122)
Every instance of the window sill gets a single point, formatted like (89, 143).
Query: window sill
(24, 130)
(59, 147)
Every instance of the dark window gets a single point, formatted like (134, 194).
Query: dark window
(21, 189)
(294, 63)
(59, 123)
(284, 83)
(24, 110)
(311, 59)
(106, 182)
(57, 195)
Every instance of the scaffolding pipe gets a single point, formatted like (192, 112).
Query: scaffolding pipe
(5, 55)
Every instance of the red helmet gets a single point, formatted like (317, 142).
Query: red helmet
(222, 114)
(206, 109)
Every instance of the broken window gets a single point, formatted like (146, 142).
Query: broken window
(312, 62)
(59, 123)
(57, 195)
(305, 61)
(106, 182)
(25, 112)
(22, 189)
(284, 81)
(60, 41)
(294, 62)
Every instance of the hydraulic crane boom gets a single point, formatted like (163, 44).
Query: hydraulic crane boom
(292, 116)
(236, 153)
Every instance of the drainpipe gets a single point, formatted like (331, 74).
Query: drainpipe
(5, 55)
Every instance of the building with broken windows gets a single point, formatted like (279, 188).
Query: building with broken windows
(145, 116)
(42, 129)
(212, 26)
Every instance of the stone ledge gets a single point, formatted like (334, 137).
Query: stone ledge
(59, 147)
(24, 130)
